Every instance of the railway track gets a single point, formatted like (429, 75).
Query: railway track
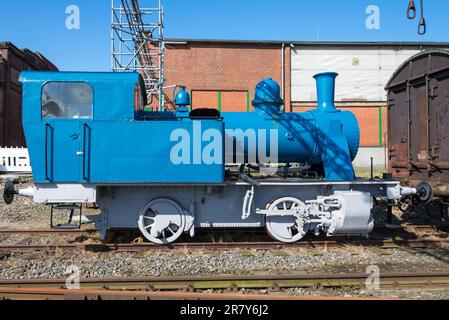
(410, 227)
(191, 287)
(142, 247)
(63, 294)
(47, 232)
(224, 245)
(381, 229)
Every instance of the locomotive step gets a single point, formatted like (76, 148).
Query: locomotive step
(66, 226)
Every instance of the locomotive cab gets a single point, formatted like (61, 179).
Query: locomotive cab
(85, 128)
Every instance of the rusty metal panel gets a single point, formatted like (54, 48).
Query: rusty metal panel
(2, 71)
(14, 132)
(2, 115)
(2, 99)
(12, 62)
(418, 117)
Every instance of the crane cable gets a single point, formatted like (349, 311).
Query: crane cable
(411, 14)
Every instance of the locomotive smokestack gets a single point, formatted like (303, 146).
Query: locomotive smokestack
(325, 86)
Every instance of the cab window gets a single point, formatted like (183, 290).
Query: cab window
(67, 100)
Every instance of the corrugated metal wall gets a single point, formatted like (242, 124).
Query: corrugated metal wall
(364, 71)
(363, 74)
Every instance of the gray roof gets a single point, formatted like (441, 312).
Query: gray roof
(311, 43)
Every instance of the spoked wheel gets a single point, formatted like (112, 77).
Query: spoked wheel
(162, 221)
(288, 228)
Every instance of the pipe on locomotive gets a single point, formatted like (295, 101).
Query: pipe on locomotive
(324, 137)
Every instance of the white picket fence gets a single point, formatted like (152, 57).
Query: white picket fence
(15, 160)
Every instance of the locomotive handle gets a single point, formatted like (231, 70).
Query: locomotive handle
(86, 172)
(47, 127)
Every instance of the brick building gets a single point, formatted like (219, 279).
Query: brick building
(223, 75)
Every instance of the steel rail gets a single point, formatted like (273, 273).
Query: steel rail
(411, 227)
(426, 228)
(142, 247)
(46, 231)
(271, 282)
(63, 294)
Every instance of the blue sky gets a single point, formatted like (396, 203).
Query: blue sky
(40, 25)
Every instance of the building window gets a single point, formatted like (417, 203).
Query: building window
(67, 100)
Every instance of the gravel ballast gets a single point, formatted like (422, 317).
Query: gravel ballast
(24, 214)
(178, 263)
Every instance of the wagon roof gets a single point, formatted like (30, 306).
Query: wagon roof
(418, 66)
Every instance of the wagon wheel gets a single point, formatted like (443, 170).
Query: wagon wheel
(162, 221)
(287, 229)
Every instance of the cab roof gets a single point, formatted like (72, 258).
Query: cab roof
(44, 76)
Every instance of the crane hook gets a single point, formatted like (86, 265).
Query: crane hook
(411, 14)
(422, 27)
(411, 11)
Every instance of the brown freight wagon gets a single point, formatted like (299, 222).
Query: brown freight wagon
(418, 121)
(12, 62)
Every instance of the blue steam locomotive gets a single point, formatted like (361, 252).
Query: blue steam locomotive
(91, 140)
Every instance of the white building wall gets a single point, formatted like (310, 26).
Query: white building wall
(363, 159)
(363, 71)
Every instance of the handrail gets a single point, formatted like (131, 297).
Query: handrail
(47, 126)
(86, 173)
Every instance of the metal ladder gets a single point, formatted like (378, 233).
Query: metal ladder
(71, 208)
